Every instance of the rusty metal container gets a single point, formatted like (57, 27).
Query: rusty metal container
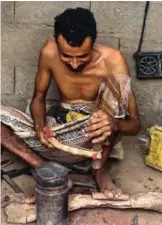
(51, 194)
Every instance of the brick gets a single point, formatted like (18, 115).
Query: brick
(33, 40)
(130, 61)
(161, 107)
(153, 24)
(149, 101)
(22, 45)
(7, 46)
(7, 12)
(7, 78)
(121, 19)
(152, 33)
(108, 41)
(14, 101)
(152, 45)
(43, 12)
(131, 45)
(128, 45)
(25, 79)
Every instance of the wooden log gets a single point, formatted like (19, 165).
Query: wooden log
(20, 213)
(101, 196)
(149, 201)
(25, 213)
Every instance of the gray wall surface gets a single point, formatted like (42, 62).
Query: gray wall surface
(27, 25)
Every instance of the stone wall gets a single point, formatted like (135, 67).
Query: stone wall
(27, 25)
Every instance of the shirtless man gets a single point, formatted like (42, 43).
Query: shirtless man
(78, 66)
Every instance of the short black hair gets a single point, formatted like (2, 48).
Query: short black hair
(75, 24)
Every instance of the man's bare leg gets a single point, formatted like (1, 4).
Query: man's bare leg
(104, 181)
(17, 146)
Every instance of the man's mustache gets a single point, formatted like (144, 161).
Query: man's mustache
(78, 69)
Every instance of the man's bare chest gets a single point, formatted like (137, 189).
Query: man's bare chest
(79, 87)
(83, 85)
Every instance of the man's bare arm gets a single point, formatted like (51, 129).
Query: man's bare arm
(130, 125)
(38, 107)
(101, 125)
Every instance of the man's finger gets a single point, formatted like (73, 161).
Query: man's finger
(98, 113)
(97, 126)
(98, 133)
(108, 133)
(99, 140)
(94, 120)
(50, 146)
(44, 142)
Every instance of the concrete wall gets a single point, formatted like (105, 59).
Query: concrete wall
(27, 25)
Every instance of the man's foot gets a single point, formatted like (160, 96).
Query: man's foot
(107, 187)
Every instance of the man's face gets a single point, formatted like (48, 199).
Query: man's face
(75, 58)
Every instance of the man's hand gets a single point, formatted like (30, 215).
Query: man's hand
(99, 127)
(43, 135)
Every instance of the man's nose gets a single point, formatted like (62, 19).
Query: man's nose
(74, 63)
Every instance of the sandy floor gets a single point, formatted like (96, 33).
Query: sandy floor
(132, 175)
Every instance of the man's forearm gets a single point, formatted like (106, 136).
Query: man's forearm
(38, 112)
(128, 126)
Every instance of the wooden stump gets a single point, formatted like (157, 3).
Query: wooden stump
(25, 213)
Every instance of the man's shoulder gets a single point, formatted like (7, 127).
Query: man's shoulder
(110, 53)
(49, 49)
(114, 60)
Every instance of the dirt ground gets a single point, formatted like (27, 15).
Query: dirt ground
(131, 174)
